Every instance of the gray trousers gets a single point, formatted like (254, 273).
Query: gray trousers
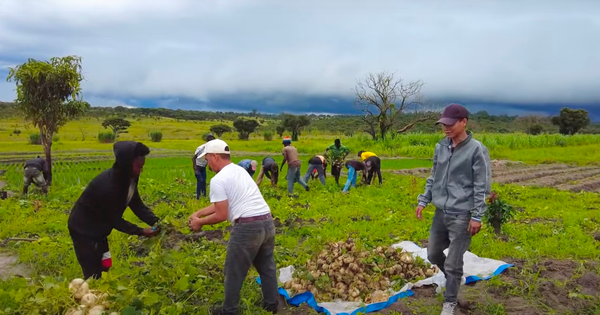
(293, 176)
(250, 244)
(320, 171)
(449, 231)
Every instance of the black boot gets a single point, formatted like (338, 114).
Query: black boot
(24, 190)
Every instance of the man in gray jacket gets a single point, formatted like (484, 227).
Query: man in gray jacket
(458, 186)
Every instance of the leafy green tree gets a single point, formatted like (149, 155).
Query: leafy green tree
(535, 129)
(295, 124)
(49, 95)
(280, 130)
(220, 129)
(117, 125)
(570, 121)
(245, 127)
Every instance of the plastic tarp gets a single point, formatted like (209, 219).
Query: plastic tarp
(475, 269)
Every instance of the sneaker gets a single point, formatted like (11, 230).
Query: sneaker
(448, 308)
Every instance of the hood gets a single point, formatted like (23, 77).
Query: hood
(124, 154)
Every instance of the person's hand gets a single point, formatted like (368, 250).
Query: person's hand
(148, 232)
(419, 212)
(194, 223)
(474, 227)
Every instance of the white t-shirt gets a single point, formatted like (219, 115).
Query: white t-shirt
(234, 184)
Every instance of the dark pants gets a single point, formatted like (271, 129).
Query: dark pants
(320, 171)
(449, 231)
(250, 243)
(373, 167)
(200, 173)
(89, 254)
(293, 176)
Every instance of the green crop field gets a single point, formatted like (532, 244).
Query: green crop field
(553, 240)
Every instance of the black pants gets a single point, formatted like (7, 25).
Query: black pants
(250, 244)
(89, 254)
(373, 167)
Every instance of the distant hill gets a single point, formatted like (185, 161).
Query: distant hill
(350, 124)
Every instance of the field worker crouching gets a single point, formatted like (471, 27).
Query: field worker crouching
(317, 164)
(460, 180)
(100, 209)
(291, 156)
(36, 171)
(200, 168)
(363, 155)
(353, 168)
(249, 166)
(236, 198)
(270, 169)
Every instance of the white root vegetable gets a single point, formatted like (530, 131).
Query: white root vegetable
(96, 310)
(70, 311)
(79, 288)
(89, 299)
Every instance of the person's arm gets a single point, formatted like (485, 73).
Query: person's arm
(481, 182)
(284, 160)
(141, 211)
(220, 214)
(194, 161)
(425, 198)
(205, 211)
(105, 199)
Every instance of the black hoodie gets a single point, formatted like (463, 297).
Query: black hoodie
(100, 207)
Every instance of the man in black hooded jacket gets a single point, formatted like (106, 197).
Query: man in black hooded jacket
(100, 209)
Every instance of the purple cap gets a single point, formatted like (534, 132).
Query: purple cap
(453, 113)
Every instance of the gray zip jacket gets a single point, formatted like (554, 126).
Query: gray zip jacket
(461, 178)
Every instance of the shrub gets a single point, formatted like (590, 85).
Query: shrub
(535, 129)
(17, 132)
(106, 137)
(156, 136)
(55, 138)
(268, 136)
(35, 138)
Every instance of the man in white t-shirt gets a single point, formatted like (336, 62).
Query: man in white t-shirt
(236, 198)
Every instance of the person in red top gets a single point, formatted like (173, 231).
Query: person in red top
(291, 157)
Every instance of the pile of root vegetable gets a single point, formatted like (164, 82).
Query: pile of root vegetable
(92, 302)
(343, 272)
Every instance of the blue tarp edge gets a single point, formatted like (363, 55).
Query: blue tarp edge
(309, 298)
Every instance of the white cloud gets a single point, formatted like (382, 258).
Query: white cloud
(506, 51)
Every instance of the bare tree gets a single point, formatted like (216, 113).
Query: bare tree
(382, 99)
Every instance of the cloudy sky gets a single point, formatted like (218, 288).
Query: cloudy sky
(506, 56)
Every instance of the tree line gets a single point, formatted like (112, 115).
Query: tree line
(49, 95)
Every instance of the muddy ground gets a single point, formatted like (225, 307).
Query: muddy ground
(10, 267)
(559, 176)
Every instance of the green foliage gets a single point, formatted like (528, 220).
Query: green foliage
(156, 136)
(106, 137)
(55, 138)
(220, 129)
(245, 127)
(498, 213)
(35, 138)
(570, 121)
(280, 130)
(295, 124)
(117, 125)
(268, 136)
(49, 95)
(535, 129)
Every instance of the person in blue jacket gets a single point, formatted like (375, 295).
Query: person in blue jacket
(249, 166)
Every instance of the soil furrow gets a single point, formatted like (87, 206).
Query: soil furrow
(512, 171)
(533, 174)
(562, 179)
(591, 184)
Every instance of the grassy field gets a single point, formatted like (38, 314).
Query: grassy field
(553, 241)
